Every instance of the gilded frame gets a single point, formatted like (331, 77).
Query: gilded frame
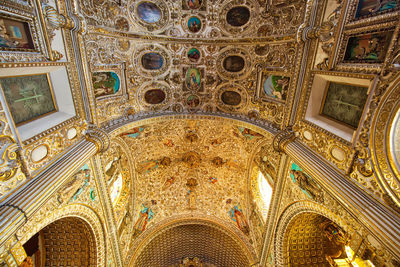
(120, 70)
(30, 24)
(259, 90)
(336, 120)
(51, 92)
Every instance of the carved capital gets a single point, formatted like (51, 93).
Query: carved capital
(282, 139)
(99, 137)
(57, 20)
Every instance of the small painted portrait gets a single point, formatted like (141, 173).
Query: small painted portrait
(369, 48)
(275, 86)
(194, 24)
(237, 216)
(371, 7)
(149, 12)
(105, 83)
(193, 101)
(28, 97)
(238, 16)
(193, 79)
(152, 61)
(194, 4)
(231, 98)
(154, 96)
(193, 54)
(233, 63)
(15, 35)
(306, 183)
(344, 103)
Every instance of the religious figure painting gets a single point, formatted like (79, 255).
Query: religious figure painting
(194, 4)
(149, 12)
(145, 215)
(306, 183)
(28, 97)
(152, 61)
(193, 79)
(373, 7)
(105, 83)
(368, 48)
(237, 216)
(274, 86)
(194, 24)
(344, 103)
(238, 16)
(193, 54)
(15, 35)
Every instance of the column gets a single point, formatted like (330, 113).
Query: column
(382, 222)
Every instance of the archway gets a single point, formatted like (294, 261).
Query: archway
(68, 241)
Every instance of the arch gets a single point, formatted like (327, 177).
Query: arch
(84, 213)
(120, 125)
(288, 215)
(225, 228)
(381, 132)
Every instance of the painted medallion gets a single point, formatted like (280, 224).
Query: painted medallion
(194, 4)
(233, 63)
(152, 61)
(231, 98)
(238, 16)
(154, 96)
(194, 24)
(193, 54)
(193, 101)
(193, 79)
(148, 12)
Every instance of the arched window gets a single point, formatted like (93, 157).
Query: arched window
(265, 192)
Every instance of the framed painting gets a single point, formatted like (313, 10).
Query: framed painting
(272, 86)
(344, 103)
(15, 34)
(367, 48)
(368, 8)
(29, 97)
(109, 81)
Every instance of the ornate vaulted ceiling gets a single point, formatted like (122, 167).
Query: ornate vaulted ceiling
(216, 67)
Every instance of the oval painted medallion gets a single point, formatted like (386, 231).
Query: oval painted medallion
(238, 16)
(231, 98)
(194, 24)
(233, 63)
(154, 96)
(152, 61)
(149, 12)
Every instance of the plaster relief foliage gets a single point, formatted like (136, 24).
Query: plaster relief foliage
(176, 164)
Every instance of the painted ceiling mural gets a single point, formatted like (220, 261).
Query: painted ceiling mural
(184, 56)
(197, 167)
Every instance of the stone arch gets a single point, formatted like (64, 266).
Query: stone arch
(191, 224)
(287, 217)
(80, 214)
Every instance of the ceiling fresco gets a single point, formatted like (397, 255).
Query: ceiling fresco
(190, 56)
(187, 166)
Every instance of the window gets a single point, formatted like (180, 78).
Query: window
(266, 193)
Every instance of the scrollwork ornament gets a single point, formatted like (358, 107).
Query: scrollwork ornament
(9, 160)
